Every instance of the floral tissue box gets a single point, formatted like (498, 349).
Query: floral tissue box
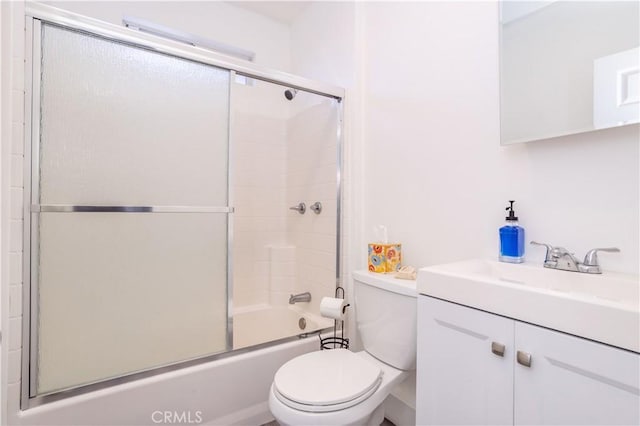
(385, 258)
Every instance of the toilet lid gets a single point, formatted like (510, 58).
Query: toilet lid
(326, 378)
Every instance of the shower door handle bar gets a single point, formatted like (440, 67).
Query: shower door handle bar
(68, 208)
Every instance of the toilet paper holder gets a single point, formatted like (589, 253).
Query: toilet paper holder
(335, 341)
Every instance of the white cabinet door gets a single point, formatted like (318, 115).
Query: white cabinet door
(459, 379)
(574, 381)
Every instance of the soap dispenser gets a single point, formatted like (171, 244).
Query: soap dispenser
(511, 238)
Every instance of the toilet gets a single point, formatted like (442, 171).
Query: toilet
(340, 387)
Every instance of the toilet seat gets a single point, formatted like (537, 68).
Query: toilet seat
(326, 381)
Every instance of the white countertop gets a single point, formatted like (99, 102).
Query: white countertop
(601, 307)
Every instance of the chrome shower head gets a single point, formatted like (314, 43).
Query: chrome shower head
(290, 94)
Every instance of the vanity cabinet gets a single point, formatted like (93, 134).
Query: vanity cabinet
(475, 367)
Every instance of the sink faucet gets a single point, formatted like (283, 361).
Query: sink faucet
(560, 258)
(302, 297)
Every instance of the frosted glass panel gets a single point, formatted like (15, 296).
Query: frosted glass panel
(119, 293)
(126, 292)
(126, 126)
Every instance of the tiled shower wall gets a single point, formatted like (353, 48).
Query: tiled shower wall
(282, 273)
(285, 153)
(12, 332)
(259, 136)
(312, 153)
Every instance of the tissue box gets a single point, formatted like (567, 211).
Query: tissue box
(385, 258)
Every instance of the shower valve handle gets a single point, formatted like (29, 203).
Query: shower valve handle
(316, 207)
(300, 208)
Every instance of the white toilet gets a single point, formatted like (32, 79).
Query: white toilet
(340, 387)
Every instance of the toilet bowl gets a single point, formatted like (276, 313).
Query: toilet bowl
(334, 387)
(340, 387)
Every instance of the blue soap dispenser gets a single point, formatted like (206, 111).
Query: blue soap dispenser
(512, 238)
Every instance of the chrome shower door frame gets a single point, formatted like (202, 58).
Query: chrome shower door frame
(31, 214)
(31, 221)
(37, 13)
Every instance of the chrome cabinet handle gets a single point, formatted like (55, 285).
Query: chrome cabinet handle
(316, 207)
(497, 348)
(300, 208)
(523, 358)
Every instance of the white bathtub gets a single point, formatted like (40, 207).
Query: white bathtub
(231, 390)
(263, 323)
(228, 391)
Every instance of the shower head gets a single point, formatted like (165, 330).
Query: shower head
(290, 94)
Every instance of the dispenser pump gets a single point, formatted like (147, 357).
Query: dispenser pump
(512, 214)
(511, 238)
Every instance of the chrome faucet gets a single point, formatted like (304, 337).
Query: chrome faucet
(302, 297)
(560, 258)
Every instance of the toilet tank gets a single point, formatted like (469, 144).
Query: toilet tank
(385, 310)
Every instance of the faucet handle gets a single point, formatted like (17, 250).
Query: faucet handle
(549, 247)
(591, 258)
(300, 208)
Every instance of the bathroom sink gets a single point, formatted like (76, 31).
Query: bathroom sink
(602, 307)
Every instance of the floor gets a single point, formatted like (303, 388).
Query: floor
(385, 422)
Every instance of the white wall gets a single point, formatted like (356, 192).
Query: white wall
(323, 43)
(435, 172)
(215, 20)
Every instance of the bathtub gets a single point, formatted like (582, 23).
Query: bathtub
(227, 391)
(258, 324)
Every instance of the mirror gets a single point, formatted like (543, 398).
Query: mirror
(567, 67)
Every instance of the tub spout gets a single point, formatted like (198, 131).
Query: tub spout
(302, 297)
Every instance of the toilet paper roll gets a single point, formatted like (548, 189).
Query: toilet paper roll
(331, 307)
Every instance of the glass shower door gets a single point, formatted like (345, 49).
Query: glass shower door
(129, 222)
(278, 251)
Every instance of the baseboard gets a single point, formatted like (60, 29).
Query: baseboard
(398, 412)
